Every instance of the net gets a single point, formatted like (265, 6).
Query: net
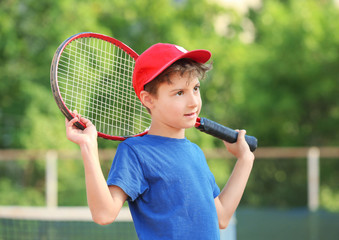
(95, 78)
(282, 224)
(44, 224)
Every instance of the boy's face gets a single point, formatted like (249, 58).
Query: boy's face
(177, 105)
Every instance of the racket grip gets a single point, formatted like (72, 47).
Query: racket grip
(224, 133)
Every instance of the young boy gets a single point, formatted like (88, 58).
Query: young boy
(170, 190)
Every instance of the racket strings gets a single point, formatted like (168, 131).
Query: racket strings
(71, 60)
(94, 78)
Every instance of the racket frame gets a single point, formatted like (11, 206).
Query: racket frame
(54, 78)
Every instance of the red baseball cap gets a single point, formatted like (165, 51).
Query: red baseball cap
(157, 58)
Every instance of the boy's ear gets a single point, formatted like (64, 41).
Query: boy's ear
(146, 99)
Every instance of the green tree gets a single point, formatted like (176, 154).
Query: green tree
(288, 83)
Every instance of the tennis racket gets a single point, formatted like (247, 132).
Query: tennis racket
(92, 73)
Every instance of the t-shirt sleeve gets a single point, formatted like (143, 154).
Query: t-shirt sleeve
(126, 172)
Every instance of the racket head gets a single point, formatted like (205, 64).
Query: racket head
(92, 73)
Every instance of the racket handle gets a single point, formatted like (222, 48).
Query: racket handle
(224, 133)
(80, 125)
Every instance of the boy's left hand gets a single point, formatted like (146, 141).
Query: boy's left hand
(240, 148)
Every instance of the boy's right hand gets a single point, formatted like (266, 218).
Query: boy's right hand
(78, 136)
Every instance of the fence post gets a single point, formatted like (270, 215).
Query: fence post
(313, 178)
(51, 179)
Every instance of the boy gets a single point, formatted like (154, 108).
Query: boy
(170, 190)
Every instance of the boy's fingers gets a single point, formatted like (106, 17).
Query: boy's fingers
(85, 121)
(76, 114)
(80, 118)
(241, 134)
(71, 122)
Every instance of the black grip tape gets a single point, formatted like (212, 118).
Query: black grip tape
(224, 133)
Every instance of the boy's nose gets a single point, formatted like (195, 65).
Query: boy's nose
(193, 101)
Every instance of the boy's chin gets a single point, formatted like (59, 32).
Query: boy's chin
(190, 125)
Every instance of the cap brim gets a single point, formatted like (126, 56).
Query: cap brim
(200, 56)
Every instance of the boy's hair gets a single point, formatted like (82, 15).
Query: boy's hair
(182, 66)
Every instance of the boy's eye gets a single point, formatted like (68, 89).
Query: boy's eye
(196, 88)
(180, 93)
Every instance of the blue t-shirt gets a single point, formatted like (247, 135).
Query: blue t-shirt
(170, 187)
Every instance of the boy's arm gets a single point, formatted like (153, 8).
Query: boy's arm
(228, 200)
(104, 202)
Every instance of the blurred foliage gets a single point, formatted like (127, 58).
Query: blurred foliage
(275, 74)
(22, 183)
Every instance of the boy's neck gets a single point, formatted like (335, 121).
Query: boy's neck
(170, 133)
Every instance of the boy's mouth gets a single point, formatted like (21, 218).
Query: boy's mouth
(191, 115)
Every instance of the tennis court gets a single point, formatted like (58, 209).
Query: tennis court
(32, 223)
(23, 229)
(281, 224)
(251, 223)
